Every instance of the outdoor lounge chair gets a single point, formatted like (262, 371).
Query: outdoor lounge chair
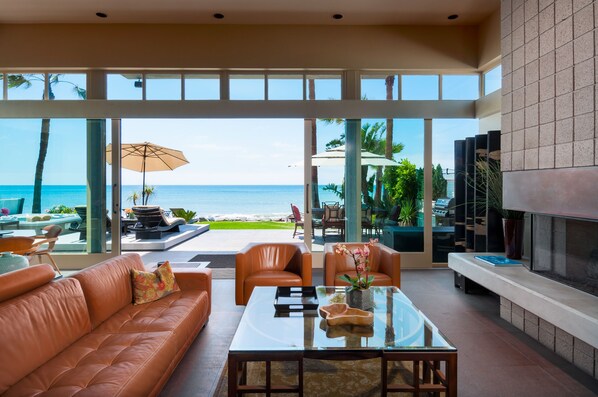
(151, 222)
(13, 205)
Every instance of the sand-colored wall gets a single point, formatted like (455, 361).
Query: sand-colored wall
(236, 46)
(489, 41)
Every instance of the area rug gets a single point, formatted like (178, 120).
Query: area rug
(326, 378)
(217, 261)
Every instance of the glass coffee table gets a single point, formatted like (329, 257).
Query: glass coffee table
(401, 332)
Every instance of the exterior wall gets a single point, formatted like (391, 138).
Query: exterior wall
(548, 87)
(121, 46)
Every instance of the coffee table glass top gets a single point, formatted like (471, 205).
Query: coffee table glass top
(398, 325)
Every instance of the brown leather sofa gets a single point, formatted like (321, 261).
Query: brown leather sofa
(271, 264)
(82, 335)
(385, 265)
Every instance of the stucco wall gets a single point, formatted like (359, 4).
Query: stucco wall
(231, 46)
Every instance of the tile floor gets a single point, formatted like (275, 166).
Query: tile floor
(495, 358)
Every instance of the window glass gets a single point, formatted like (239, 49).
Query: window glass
(492, 80)
(247, 87)
(323, 87)
(285, 87)
(68, 86)
(460, 87)
(1, 86)
(64, 177)
(419, 87)
(26, 86)
(125, 86)
(375, 87)
(163, 86)
(202, 86)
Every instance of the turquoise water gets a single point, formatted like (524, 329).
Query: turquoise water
(206, 200)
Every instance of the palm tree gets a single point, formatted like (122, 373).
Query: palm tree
(389, 82)
(371, 141)
(314, 147)
(24, 80)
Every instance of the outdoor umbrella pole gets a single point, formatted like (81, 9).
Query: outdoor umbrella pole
(143, 171)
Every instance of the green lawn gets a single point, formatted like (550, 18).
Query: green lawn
(241, 225)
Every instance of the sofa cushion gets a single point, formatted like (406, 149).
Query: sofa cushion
(107, 286)
(38, 325)
(151, 286)
(20, 281)
(103, 364)
(182, 312)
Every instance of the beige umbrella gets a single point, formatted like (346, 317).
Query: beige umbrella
(336, 157)
(146, 156)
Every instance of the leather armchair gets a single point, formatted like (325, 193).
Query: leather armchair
(271, 264)
(385, 265)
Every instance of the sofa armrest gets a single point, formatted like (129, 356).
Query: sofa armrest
(196, 279)
(390, 263)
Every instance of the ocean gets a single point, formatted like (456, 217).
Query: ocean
(209, 201)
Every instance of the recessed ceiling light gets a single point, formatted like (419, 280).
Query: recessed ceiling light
(101, 15)
(219, 16)
(454, 16)
(337, 16)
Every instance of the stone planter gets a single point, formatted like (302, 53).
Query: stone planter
(359, 298)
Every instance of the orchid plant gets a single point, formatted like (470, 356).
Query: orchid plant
(361, 259)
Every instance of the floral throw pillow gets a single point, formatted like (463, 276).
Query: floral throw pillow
(151, 286)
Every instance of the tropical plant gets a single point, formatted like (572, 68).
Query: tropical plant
(24, 81)
(490, 186)
(133, 197)
(148, 191)
(408, 214)
(401, 182)
(187, 215)
(61, 209)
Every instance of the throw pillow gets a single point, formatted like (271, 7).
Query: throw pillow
(151, 286)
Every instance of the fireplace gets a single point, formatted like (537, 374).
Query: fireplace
(566, 250)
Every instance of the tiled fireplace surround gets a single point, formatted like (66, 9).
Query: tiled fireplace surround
(549, 118)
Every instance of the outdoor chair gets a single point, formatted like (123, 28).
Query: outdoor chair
(81, 227)
(13, 205)
(298, 220)
(334, 218)
(49, 237)
(151, 222)
(271, 264)
(366, 219)
(385, 265)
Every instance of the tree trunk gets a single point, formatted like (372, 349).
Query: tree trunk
(36, 208)
(314, 148)
(39, 168)
(390, 81)
(364, 186)
(378, 191)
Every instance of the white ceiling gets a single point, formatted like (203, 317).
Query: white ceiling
(304, 12)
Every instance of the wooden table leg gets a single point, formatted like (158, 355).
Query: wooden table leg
(451, 375)
(233, 369)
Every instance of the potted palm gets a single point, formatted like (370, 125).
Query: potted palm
(512, 219)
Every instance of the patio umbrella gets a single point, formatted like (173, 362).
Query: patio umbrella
(336, 156)
(146, 156)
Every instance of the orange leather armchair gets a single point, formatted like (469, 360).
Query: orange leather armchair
(385, 265)
(271, 264)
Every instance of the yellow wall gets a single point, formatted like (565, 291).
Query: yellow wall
(236, 46)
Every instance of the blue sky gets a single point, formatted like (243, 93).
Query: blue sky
(222, 151)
